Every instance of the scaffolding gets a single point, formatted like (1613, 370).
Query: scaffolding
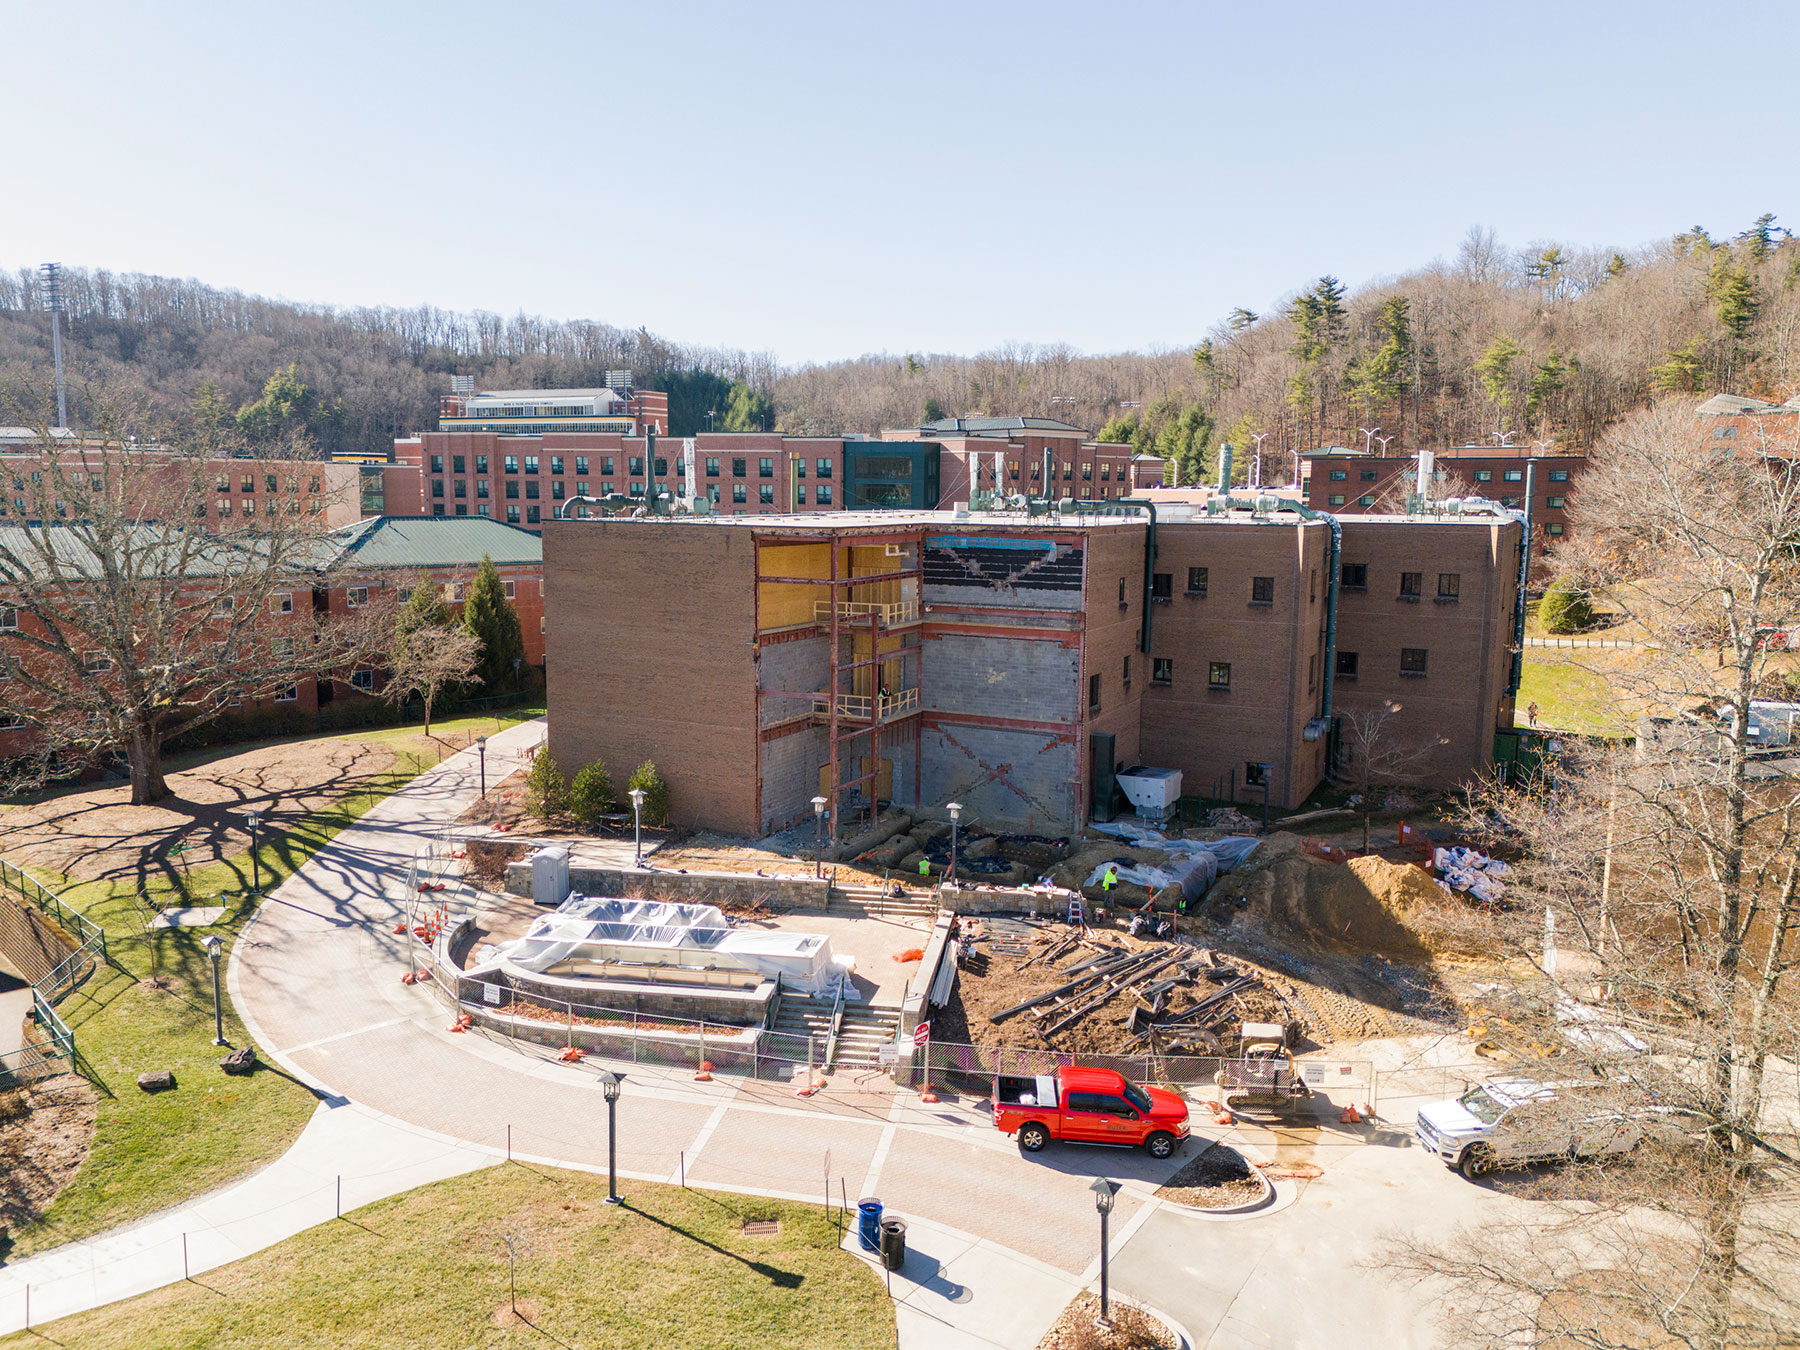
(871, 699)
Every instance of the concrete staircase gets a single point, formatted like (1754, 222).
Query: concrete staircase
(862, 902)
(799, 1015)
(863, 1031)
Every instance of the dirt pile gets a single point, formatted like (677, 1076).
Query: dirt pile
(1369, 906)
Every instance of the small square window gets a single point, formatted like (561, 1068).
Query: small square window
(9, 620)
(1262, 590)
(531, 490)
(556, 464)
(1554, 527)
(738, 468)
(738, 493)
(1412, 584)
(824, 494)
(1449, 585)
(1162, 585)
(531, 516)
(512, 515)
(1339, 475)
(1412, 660)
(458, 464)
(1218, 674)
(581, 464)
(1346, 665)
(363, 679)
(481, 509)
(289, 695)
(1365, 501)
(282, 602)
(1368, 475)
(1484, 475)
(1559, 475)
(1162, 670)
(507, 588)
(1514, 475)
(356, 596)
(1255, 775)
(531, 463)
(712, 466)
(1335, 499)
(481, 464)
(765, 468)
(800, 494)
(1556, 503)
(1196, 583)
(766, 494)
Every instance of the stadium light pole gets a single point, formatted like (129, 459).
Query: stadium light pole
(53, 301)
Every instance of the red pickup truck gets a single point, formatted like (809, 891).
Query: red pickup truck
(1089, 1106)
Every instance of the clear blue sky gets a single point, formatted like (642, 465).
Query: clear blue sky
(823, 180)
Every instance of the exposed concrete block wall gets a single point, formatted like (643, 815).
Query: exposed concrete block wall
(1023, 678)
(651, 656)
(790, 776)
(1449, 713)
(725, 889)
(789, 673)
(1023, 780)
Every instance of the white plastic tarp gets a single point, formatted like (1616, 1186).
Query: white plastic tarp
(1195, 874)
(654, 933)
(1227, 853)
(1466, 869)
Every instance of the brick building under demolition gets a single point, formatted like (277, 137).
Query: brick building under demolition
(1013, 661)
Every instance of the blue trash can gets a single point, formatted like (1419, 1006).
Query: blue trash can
(868, 1224)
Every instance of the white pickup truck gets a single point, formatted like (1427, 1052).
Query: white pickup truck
(1513, 1121)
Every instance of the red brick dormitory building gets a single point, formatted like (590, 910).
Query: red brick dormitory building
(1010, 661)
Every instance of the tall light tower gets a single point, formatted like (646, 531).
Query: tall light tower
(53, 301)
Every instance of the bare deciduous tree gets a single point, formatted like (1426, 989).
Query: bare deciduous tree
(424, 662)
(1377, 756)
(128, 622)
(1669, 872)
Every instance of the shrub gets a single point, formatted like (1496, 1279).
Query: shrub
(546, 790)
(1566, 608)
(656, 792)
(591, 794)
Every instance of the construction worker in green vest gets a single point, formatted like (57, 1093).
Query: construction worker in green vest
(924, 867)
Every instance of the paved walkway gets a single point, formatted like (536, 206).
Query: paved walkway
(316, 977)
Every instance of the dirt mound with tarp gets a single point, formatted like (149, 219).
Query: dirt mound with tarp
(1366, 906)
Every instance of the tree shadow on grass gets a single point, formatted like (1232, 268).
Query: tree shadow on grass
(781, 1279)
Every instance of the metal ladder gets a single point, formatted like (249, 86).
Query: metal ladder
(1077, 913)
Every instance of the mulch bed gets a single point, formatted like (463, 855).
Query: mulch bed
(1218, 1178)
(1131, 1329)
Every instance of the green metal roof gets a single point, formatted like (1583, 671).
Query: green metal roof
(435, 541)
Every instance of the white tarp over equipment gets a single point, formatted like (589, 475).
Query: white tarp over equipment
(650, 933)
(1196, 865)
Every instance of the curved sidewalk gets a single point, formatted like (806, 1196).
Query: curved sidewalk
(999, 1242)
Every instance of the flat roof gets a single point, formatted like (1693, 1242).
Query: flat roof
(865, 520)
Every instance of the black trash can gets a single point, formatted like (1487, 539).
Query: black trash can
(893, 1243)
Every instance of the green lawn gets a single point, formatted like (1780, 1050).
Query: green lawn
(153, 1151)
(1570, 697)
(672, 1267)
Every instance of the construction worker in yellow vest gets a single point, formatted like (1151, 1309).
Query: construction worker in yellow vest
(1110, 880)
(924, 867)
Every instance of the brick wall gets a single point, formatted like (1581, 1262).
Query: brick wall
(1462, 696)
(1275, 651)
(651, 655)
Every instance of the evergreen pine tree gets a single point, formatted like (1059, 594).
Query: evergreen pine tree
(424, 607)
(493, 621)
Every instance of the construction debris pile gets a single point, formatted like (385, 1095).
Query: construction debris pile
(1071, 988)
(909, 848)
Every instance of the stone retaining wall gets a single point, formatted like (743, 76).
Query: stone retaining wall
(726, 889)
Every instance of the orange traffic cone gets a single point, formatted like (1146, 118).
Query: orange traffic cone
(705, 1073)
(927, 1095)
(1223, 1118)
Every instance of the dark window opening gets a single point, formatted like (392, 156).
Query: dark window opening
(1262, 590)
(1196, 581)
(1412, 584)
(1162, 670)
(1412, 660)
(1162, 585)
(1346, 665)
(1218, 675)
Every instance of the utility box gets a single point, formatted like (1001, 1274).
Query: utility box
(1153, 793)
(550, 876)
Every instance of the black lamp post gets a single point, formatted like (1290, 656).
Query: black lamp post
(637, 826)
(255, 820)
(481, 748)
(818, 806)
(213, 947)
(1104, 1191)
(610, 1084)
(955, 810)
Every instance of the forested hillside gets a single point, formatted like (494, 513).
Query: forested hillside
(1546, 343)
